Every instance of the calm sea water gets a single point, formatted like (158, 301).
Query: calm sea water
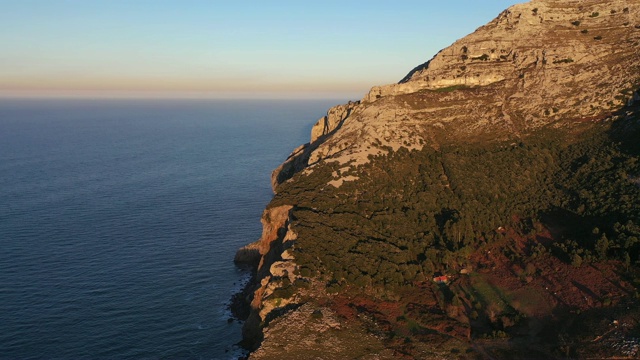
(119, 221)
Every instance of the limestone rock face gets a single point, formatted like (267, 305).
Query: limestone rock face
(534, 65)
(276, 270)
(301, 334)
(323, 128)
(332, 121)
(537, 34)
(274, 227)
(297, 161)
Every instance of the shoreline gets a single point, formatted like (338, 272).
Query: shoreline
(240, 302)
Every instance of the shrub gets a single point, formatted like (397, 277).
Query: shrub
(576, 260)
(317, 314)
(451, 88)
(563, 61)
(575, 23)
(594, 14)
(284, 293)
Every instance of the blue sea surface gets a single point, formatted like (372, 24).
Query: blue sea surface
(119, 220)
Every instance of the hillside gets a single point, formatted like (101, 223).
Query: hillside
(486, 206)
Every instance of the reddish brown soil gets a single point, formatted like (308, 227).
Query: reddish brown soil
(550, 298)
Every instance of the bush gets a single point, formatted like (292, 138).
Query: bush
(284, 293)
(317, 314)
(563, 61)
(576, 260)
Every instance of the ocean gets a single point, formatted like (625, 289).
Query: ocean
(119, 220)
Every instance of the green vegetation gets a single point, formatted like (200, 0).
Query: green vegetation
(575, 23)
(563, 61)
(416, 212)
(451, 88)
(594, 14)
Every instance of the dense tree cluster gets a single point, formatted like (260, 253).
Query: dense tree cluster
(412, 213)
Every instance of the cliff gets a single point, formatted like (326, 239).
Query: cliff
(506, 165)
(537, 63)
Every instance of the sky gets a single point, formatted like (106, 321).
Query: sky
(224, 48)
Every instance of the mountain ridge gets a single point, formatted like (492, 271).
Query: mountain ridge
(503, 77)
(506, 162)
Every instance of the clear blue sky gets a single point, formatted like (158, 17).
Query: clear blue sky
(226, 48)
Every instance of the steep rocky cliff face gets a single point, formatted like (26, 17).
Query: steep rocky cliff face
(508, 164)
(274, 268)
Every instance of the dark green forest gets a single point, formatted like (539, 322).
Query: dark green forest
(413, 213)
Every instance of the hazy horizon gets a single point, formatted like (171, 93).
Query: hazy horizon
(204, 49)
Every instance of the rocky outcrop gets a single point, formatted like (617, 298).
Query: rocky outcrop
(272, 289)
(332, 121)
(308, 332)
(297, 161)
(300, 157)
(275, 222)
(537, 34)
(248, 255)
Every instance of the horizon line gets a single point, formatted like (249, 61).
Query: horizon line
(162, 95)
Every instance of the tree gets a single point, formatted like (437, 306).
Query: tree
(602, 246)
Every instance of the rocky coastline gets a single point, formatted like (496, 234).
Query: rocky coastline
(541, 69)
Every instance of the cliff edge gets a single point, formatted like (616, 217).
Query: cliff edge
(485, 206)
